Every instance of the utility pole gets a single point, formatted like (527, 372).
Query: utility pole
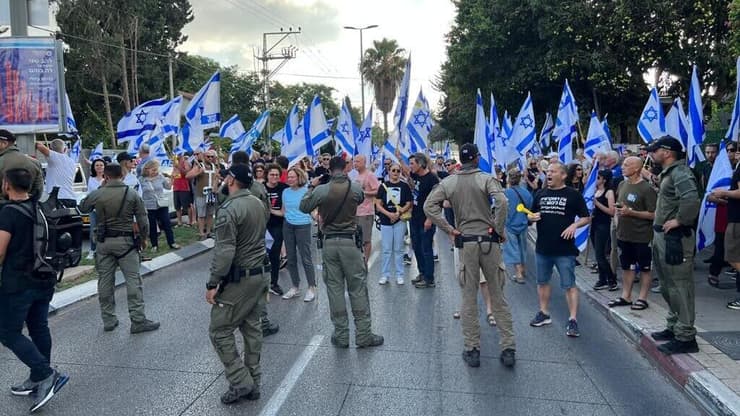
(362, 60)
(172, 92)
(285, 54)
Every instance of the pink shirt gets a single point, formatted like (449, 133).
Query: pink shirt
(369, 184)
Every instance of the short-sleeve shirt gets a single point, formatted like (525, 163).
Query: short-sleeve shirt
(559, 209)
(275, 199)
(292, 200)
(423, 186)
(369, 183)
(639, 197)
(733, 204)
(396, 194)
(16, 273)
(60, 172)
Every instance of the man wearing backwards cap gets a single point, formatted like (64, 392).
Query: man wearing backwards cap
(237, 288)
(673, 245)
(478, 235)
(12, 158)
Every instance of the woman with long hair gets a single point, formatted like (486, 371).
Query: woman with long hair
(93, 183)
(153, 184)
(604, 208)
(259, 173)
(297, 234)
(575, 177)
(394, 198)
(275, 189)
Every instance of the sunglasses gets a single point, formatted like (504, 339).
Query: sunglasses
(447, 165)
(395, 170)
(579, 170)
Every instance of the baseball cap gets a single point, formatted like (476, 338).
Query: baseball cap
(241, 173)
(7, 136)
(123, 156)
(665, 142)
(468, 152)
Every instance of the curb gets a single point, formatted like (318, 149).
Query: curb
(708, 391)
(69, 297)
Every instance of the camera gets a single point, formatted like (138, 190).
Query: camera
(207, 190)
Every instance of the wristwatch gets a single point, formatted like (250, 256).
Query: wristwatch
(211, 286)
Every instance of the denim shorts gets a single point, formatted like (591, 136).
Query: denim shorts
(566, 266)
(515, 248)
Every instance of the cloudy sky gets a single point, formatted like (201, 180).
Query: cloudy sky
(230, 31)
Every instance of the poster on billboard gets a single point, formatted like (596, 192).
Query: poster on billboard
(30, 83)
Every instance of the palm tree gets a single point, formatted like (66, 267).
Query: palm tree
(383, 67)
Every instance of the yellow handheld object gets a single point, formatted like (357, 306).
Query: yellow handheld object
(522, 208)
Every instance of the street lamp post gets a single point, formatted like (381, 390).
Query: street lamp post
(362, 78)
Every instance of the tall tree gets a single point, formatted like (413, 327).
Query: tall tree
(382, 67)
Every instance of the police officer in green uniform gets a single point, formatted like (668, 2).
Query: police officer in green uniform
(116, 206)
(673, 245)
(237, 288)
(478, 235)
(12, 158)
(344, 264)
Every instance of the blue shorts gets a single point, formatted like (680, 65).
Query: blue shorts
(566, 266)
(515, 248)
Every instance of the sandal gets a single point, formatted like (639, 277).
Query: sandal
(619, 302)
(713, 281)
(491, 320)
(639, 305)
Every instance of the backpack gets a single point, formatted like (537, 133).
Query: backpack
(57, 239)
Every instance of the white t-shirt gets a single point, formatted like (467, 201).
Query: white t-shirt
(60, 172)
(133, 182)
(93, 184)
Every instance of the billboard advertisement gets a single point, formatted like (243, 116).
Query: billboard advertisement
(30, 85)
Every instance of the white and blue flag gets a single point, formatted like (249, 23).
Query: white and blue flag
(546, 132)
(696, 122)
(597, 140)
(76, 150)
(232, 128)
(70, 123)
(676, 123)
(419, 124)
(246, 140)
(720, 178)
(310, 134)
(494, 128)
(733, 132)
(523, 134)
(482, 136)
(171, 113)
(565, 124)
(402, 103)
(364, 145)
(347, 133)
(140, 121)
(205, 108)
(447, 154)
(97, 152)
(651, 125)
(589, 192)
(389, 151)
(291, 126)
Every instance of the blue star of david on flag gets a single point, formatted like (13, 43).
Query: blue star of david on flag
(420, 118)
(651, 115)
(527, 122)
(141, 117)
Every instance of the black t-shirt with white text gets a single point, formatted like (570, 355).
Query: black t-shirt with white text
(397, 194)
(559, 209)
(423, 186)
(275, 198)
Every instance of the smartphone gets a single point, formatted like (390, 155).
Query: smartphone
(619, 205)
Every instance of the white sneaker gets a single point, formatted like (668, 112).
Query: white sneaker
(90, 255)
(399, 281)
(292, 293)
(310, 294)
(383, 280)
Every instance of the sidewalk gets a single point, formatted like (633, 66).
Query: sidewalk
(711, 377)
(74, 294)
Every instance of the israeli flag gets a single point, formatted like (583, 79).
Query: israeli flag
(140, 121)
(651, 125)
(171, 113)
(159, 152)
(605, 126)
(676, 123)
(546, 132)
(523, 134)
(97, 152)
(589, 193)
(505, 152)
(419, 124)
(315, 127)
(565, 124)
(720, 178)
(447, 154)
(389, 151)
(76, 150)
(246, 140)
(205, 108)
(696, 122)
(364, 144)
(191, 136)
(232, 128)
(291, 125)
(402, 103)
(278, 136)
(71, 123)
(347, 133)
(597, 139)
(376, 152)
(494, 128)
(482, 136)
(733, 133)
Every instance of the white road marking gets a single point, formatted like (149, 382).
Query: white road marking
(281, 394)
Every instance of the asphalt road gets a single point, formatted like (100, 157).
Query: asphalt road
(419, 370)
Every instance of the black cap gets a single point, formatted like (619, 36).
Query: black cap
(665, 142)
(7, 136)
(123, 156)
(241, 173)
(468, 152)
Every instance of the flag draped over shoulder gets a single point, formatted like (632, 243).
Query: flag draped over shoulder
(652, 125)
(720, 178)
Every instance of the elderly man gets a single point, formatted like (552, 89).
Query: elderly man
(60, 171)
(143, 158)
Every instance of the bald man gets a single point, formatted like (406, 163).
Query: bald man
(635, 212)
(366, 210)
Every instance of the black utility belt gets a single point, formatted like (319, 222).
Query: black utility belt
(113, 234)
(480, 238)
(339, 236)
(256, 271)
